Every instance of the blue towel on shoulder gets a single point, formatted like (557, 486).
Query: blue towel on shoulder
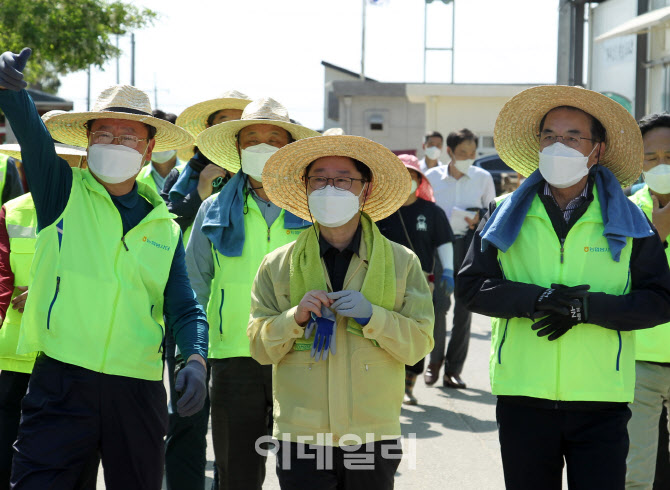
(224, 221)
(186, 183)
(621, 217)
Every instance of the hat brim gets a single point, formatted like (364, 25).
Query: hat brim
(70, 128)
(70, 154)
(194, 118)
(283, 172)
(218, 142)
(518, 125)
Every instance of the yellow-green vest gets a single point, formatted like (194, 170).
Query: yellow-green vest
(96, 296)
(229, 300)
(4, 159)
(588, 363)
(651, 344)
(21, 223)
(148, 179)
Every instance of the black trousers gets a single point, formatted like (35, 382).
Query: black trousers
(301, 466)
(13, 387)
(535, 441)
(457, 350)
(186, 441)
(71, 413)
(241, 397)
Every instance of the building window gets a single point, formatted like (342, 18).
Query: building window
(376, 122)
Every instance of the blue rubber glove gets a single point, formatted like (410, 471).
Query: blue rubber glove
(191, 384)
(324, 338)
(351, 304)
(11, 69)
(448, 280)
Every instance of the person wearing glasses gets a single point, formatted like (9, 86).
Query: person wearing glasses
(108, 277)
(568, 268)
(232, 232)
(338, 314)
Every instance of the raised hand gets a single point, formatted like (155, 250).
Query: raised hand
(11, 69)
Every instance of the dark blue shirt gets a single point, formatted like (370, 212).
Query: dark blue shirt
(50, 181)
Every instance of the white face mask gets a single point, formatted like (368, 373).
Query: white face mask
(463, 165)
(563, 166)
(162, 156)
(414, 187)
(333, 207)
(254, 158)
(433, 152)
(114, 163)
(658, 179)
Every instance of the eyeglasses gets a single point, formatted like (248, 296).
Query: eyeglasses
(106, 138)
(341, 183)
(571, 141)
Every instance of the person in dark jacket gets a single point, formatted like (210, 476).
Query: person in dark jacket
(569, 268)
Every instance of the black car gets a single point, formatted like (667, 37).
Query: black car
(504, 178)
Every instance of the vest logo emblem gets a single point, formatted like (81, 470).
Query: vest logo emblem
(596, 249)
(156, 244)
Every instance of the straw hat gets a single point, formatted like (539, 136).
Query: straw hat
(218, 142)
(71, 154)
(518, 125)
(118, 102)
(282, 176)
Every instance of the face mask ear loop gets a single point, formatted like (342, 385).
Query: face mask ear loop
(365, 199)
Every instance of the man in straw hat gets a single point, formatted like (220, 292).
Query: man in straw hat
(232, 232)
(652, 346)
(423, 227)
(569, 268)
(338, 314)
(184, 193)
(108, 265)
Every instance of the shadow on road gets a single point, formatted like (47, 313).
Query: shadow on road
(419, 419)
(470, 394)
(481, 336)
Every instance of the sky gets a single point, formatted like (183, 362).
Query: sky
(198, 49)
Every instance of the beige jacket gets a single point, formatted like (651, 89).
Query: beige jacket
(359, 390)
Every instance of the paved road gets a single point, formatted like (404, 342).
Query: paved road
(456, 437)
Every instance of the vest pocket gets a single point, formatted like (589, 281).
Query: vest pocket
(52, 302)
(162, 344)
(502, 341)
(220, 314)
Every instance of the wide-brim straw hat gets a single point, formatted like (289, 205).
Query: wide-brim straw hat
(118, 102)
(283, 172)
(218, 142)
(71, 154)
(194, 118)
(518, 125)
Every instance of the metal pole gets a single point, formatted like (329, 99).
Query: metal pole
(453, 36)
(88, 88)
(363, 42)
(155, 93)
(579, 44)
(132, 59)
(117, 60)
(425, 38)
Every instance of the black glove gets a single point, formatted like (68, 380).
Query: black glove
(191, 384)
(558, 323)
(11, 69)
(558, 299)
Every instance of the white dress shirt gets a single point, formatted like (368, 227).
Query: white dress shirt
(475, 189)
(424, 167)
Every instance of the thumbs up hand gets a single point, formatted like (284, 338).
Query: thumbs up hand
(11, 69)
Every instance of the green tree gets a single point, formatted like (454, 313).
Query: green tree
(66, 35)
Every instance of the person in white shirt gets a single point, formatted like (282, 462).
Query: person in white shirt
(432, 149)
(464, 193)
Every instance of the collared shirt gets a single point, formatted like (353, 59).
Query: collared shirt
(269, 210)
(474, 190)
(159, 181)
(424, 167)
(337, 262)
(572, 205)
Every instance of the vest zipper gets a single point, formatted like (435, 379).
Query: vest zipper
(502, 342)
(562, 249)
(268, 235)
(123, 240)
(113, 318)
(221, 317)
(161, 346)
(53, 301)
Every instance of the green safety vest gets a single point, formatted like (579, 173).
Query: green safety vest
(21, 221)
(96, 296)
(588, 363)
(4, 159)
(148, 179)
(651, 344)
(230, 300)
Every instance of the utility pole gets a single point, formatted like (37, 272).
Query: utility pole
(132, 59)
(425, 35)
(365, 2)
(117, 59)
(88, 88)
